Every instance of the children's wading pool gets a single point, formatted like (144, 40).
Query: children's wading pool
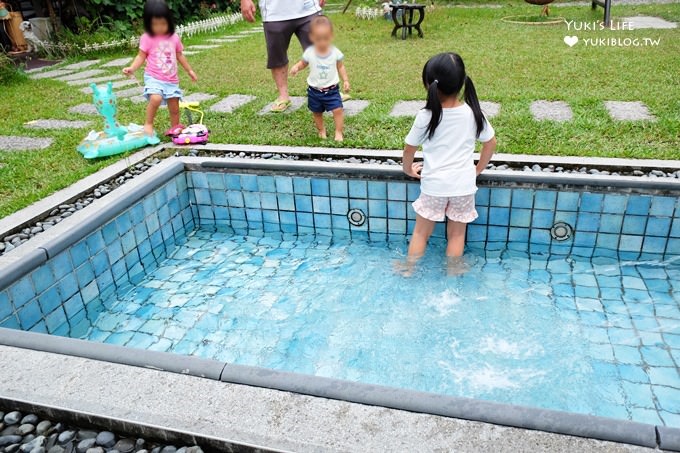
(570, 300)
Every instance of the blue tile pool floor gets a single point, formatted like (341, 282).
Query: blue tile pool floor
(594, 336)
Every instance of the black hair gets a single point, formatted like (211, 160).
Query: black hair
(160, 10)
(445, 73)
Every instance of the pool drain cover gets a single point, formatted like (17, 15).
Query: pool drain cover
(356, 217)
(561, 231)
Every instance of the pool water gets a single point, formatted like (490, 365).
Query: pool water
(589, 335)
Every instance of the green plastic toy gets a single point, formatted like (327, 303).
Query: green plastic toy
(115, 139)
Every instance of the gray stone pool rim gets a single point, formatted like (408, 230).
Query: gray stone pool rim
(21, 261)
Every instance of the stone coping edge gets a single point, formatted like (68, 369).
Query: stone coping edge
(558, 422)
(127, 426)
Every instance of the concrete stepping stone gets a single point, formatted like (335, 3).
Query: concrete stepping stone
(638, 22)
(198, 97)
(138, 99)
(628, 111)
(130, 92)
(57, 124)
(251, 32)
(82, 64)
(490, 109)
(118, 63)
(80, 75)
(118, 84)
(15, 143)
(190, 52)
(83, 109)
(50, 74)
(353, 107)
(102, 79)
(406, 108)
(222, 40)
(203, 47)
(296, 103)
(231, 103)
(551, 111)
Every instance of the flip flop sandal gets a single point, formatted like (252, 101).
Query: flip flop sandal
(280, 106)
(345, 97)
(174, 131)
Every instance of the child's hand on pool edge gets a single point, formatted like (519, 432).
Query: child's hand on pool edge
(416, 168)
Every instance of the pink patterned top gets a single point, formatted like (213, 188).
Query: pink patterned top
(161, 56)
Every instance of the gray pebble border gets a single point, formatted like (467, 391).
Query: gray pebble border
(29, 433)
(61, 212)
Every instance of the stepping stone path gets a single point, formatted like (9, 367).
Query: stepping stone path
(223, 40)
(203, 47)
(296, 103)
(82, 64)
(353, 107)
(231, 103)
(118, 84)
(15, 143)
(81, 75)
(190, 52)
(51, 74)
(406, 108)
(130, 92)
(119, 63)
(628, 111)
(103, 79)
(490, 109)
(551, 111)
(639, 22)
(198, 97)
(57, 124)
(83, 109)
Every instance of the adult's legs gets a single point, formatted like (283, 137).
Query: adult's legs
(455, 235)
(280, 76)
(277, 36)
(155, 101)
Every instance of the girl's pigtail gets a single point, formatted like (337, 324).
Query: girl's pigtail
(434, 105)
(472, 101)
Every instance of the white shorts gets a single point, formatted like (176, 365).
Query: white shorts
(458, 209)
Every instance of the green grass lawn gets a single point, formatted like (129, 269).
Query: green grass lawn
(510, 64)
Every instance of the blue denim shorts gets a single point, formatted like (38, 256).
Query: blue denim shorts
(323, 101)
(167, 90)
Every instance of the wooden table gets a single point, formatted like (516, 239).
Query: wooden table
(407, 15)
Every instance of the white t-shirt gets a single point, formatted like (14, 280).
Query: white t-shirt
(323, 69)
(278, 10)
(448, 167)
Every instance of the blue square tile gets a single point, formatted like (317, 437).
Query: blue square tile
(377, 190)
(199, 179)
(377, 208)
(396, 226)
(377, 225)
(545, 199)
(42, 278)
(499, 216)
(614, 204)
(396, 191)
(542, 218)
(522, 198)
(500, 197)
(662, 206)
(587, 221)
(520, 217)
(95, 242)
(673, 246)
(287, 218)
(140, 232)
(339, 188)
(100, 262)
(286, 202)
(110, 232)
(476, 233)
(358, 189)
(630, 243)
(321, 204)
(215, 180)
(361, 205)
(584, 239)
(270, 216)
(305, 219)
(658, 226)
(675, 228)
(339, 205)
(266, 184)
(320, 187)
(482, 215)
(653, 244)
(611, 223)
(79, 253)
(518, 235)
(638, 205)
(268, 200)
(396, 210)
(235, 199)
(251, 200)
(249, 183)
(303, 203)
(495, 233)
(339, 222)
(566, 216)
(284, 184)
(591, 202)
(5, 305)
(302, 186)
(218, 197)
(567, 201)
(29, 314)
(541, 237)
(233, 182)
(137, 213)
(253, 215)
(413, 192)
(608, 241)
(235, 214)
(322, 221)
(21, 292)
(634, 224)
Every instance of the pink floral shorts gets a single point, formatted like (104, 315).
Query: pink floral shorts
(458, 209)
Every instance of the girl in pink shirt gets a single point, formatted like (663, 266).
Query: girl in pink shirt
(161, 49)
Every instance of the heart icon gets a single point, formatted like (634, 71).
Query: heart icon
(571, 40)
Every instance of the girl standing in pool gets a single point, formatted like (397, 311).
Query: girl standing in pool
(161, 49)
(447, 129)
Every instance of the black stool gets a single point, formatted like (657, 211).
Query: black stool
(407, 15)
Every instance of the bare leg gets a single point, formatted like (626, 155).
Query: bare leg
(320, 126)
(339, 118)
(280, 76)
(421, 234)
(455, 236)
(155, 101)
(173, 109)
